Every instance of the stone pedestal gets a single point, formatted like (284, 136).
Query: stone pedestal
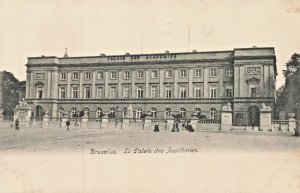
(194, 122)
(22, 112)
(226, 121)
(265, 121)
(46, 121)
(170, 122)
(292, 125)
(148, 123)
(126, 123)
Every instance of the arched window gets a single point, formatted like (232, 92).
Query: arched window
(139, 112)
(61, 111)
(183, 112)
(213, 113)
(74, 112)
(39, 111)
(198, 112)
(99, 112)
(87, 111)
(153, 113)
(112, 112)
(168, 113)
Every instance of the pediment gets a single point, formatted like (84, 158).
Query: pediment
(253, 80)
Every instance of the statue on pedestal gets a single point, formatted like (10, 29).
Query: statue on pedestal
(227, 107)
(128, 113)
(264, 107)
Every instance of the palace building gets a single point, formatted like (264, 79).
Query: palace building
(161, 84)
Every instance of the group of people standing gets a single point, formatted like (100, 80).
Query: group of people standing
(175, 128)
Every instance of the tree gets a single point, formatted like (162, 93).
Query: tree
(10, 92)
(289, 93)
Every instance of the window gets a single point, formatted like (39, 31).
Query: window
(87, 76)
(197, 93)
(228, 72)
(213, 113)
(183, 73)
(99, 112)
(100, 92)
(113, 92)
(63, 76)
(75, 76)
(169, 74)
(140, 92)
(61, 111)
(182, 91)
(126, 91)
(113, 75)
(126, 75)
(153, 113)
(198, 73)
(154, 93)
(74, 92)
(168, 113)
(168, 92)
(112, 113)
(139, 113)
(100, 75)
(253, 92)
(213, 72)
(39, 92)
(228, 92)
(74, 112)
(213, 92)
(154, 74)
(183, 112)
(87, 92)
(140, 74)
(62, 92)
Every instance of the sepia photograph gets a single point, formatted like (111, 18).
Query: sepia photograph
(117, 96)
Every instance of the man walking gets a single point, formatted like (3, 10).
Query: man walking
(17, 124)
(68, 124)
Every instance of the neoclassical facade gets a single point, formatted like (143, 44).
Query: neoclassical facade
(161, 84)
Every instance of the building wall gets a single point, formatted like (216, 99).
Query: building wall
(253, 71)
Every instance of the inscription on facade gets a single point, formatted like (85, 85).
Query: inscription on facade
(40, 75)
(146, 57)
(253, 70)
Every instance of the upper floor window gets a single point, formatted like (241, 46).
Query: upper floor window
(140, 92)
(100, 75)
(140, 74)
(213, 92)
(182, 92)
(154, 92)
(88, 76)
(126, 91)
(197, 92)
(126, 75)
(87, 92)
(113, 92)
(39, 93)
(213, 72)
(113, 75)
(169, 74)
(75, 76)
(168, 92)
(100, 92)
(154, 74)
(62, 92)
(183, 73)
(198, 73)
(63, 76)
(74, 92)
(228, 72)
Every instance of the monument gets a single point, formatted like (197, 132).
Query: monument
(265, 118)
(84, 120)
(46, 120)
(128, 114)
(22, 112)
(226, 117)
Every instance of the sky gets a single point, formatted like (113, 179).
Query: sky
(30, 28)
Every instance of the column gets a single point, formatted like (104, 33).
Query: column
(175, 83)
(236, 90)
(266, 86)
(242, 82)
(28, 85)
(94, 84)
(190, 83)
(147, 89)
(221, 86)
(120, 87)
(161, 83)
(80, 89)
(106, 90)
(54, 89)
(48, 84)
(69, 75)
(133, 88)
(205, 82)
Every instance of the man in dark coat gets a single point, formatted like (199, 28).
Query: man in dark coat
(156, 127)
(68, 124)
(17, 124)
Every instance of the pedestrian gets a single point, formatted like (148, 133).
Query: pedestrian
(175, 126)
(189, 127)
(279, 129)
(17, 124)
(252, 123)
(68, 124)
(156, 127)
(76, 123)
